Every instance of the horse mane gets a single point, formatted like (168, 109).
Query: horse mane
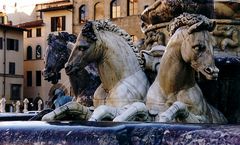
(195, 22)
(62, 36)
(107, 25)
(60, 41)
(58, 46)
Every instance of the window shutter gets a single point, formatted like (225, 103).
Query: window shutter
(8, 44)
(63, 23)
(29, 78)
(16, 45)
(1, 43)
(53, 24)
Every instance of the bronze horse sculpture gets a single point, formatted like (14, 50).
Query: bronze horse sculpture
(57, 53)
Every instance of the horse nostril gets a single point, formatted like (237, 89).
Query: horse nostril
(216, 70)
(209, 70)
(68, 67)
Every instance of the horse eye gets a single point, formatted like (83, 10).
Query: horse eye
(202, 47)
(195, 48)
(199, 47)
(82, 48)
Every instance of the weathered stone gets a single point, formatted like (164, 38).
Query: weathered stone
(166, 10)
(105, 133)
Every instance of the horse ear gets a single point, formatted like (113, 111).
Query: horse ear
(70, 45)
(212, 26)
(194, 27)
(88, 31)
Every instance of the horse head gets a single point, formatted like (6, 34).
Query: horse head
(197, 43)
(83, 51)
(56, 55)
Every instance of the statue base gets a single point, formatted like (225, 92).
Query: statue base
(36, 132)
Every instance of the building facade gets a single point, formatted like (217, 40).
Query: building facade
(124, 13)
(53, 17)
(11, 63)
(34, 44)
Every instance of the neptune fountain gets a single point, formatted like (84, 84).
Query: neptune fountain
(125, 93)
(173, 88)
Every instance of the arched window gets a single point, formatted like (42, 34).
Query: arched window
(98, 11)
(134, 38)
(132, 7)
(38, 52)
(82, 13)
(29, 53)
(145, 7)
(115, 8)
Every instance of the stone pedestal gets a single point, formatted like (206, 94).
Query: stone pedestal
(89, 133)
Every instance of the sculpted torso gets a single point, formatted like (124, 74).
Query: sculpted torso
(175, 95)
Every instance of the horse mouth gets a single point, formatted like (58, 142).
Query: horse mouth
(211, 73)
(70, 69)
(51, 77)
(47, 75)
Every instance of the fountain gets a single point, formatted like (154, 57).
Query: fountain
(193, 79)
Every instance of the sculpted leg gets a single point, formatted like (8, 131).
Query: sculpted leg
(71, 107)
(134, 110)
(173, 111)
(179, 111)
(104, 112)
(228, 43)
(155, 101)
(99, 96)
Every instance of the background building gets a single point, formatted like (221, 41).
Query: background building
(34, 44)
(11, 64)
(52, 17)
(40, 18)
(124, 13)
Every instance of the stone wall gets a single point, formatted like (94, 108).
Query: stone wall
(129, 23)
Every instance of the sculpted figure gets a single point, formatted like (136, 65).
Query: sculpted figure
(3, 105)
(123, 79)
(25, 106)
(153, 57)
(61, 98)
(175, 95)
(165, 10)
(231, 36)
(18, 106)
(153, 38)
(84, 82)
(40, 102)
(56, 55)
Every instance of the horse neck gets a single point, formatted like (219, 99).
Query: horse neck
(174, 73)
(118, 60)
